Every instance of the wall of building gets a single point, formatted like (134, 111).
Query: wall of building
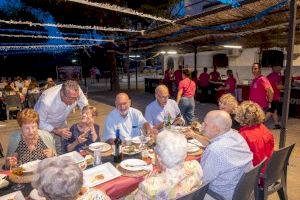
(241, 65)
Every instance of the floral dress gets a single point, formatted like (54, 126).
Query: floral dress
(170, 184)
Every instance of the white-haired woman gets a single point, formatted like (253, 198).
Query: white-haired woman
(61, 179)
(177, 177)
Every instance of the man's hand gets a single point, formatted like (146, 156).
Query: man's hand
(63, 132)
(11, 161)
(178, 121)
(189, 133)
(48, 153)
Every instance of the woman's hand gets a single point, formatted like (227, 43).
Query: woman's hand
(82, 138)
(189, 133)
(11, 161)
(48, 153)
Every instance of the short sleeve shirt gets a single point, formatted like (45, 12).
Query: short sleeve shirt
(275, 79)
(204, 79)
(258, 91)
(188, 87)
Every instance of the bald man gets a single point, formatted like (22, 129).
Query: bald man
(162, 108)
(226, 157)
(129, 120)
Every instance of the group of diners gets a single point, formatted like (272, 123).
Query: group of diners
(228, 153)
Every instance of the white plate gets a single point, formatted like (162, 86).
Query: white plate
(30, 166)
(106, 172)
(35, 195)
(15, 196)
(136, 150)
(104, 146)
(133, 164)
(196, 142)
(192, 148)
(137, 139)
(77, 158)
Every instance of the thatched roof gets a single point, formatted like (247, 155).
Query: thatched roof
(264, 31)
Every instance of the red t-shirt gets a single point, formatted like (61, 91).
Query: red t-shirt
(188, 87)
(204, 79)
(178, 76)
(260, 141)
(258, 91)
(215, 76)
(231, 82)
(275, 79)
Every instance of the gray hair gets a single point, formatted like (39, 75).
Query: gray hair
(221, 119)
(70, 85)
(171, 148)
(58, 179)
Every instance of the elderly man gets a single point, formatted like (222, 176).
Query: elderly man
(129, 120)
(261, 91)
(227, 156)
(162, 109)
(54, 107)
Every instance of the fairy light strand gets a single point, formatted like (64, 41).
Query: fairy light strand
(121, 9)
(71, 26)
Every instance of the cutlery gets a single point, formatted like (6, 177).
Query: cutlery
(137, 165)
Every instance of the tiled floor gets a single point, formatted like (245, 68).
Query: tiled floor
(103, 99)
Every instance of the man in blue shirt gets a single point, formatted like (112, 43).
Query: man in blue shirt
(162, 108)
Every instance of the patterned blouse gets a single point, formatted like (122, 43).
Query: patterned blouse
(170, 184)
(25, 155)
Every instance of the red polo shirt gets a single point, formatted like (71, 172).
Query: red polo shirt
(178, 76)
(204, 79)
(258, 91)
(215, 76)
(231, 82)
(260, 140)
(188, 87)
(275, 79)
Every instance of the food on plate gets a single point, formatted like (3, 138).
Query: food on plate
(89, 160)
(130, 149)
(196, 126)
(19, 171)
(82, 165)
(97, 177)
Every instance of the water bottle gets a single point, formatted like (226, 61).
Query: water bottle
(97, 157)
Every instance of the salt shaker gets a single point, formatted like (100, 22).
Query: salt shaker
(97, 157)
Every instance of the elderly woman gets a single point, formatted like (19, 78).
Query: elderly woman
(61, 179)
(177, 177)
(85, 132)
(31, 143)
(258, 136)
(228, 103)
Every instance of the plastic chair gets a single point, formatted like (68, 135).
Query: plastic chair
(197, 194)
(275, 174)
(13, 103)
(246, 185)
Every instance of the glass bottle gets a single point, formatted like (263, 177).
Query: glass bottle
(118, 147)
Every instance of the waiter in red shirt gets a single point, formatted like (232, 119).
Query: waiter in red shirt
(229, 85)
(275, 79)
(168, 79)
(215, 79)
(185, 97)
(203, 83)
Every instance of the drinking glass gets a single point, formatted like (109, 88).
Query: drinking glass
(143, 138)
(17, 186)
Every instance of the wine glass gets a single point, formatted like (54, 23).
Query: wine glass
(143, 138)
(14, 167)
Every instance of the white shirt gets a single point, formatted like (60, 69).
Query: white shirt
(129, 126)
(53, 112)
(155, 114)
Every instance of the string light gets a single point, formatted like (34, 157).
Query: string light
(53, 37)
(121, 9)
(45, 46)
(71, 26)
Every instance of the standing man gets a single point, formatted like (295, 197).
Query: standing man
(54, 107)
(161, 108)
(129, 120)
(203, 83)
(261, 91)
(185, 97)
(276, 81)
(215, 79)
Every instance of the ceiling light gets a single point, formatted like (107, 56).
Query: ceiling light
(163, 52)
(134, 56)
(172, 52)
(232, 46)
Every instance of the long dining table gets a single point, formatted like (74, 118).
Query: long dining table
(115, 188)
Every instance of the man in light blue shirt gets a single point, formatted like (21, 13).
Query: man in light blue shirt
(227, 156)
(129, 120)
(161, 108)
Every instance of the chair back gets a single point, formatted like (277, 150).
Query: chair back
(276, 165)
(32, 99)
(197, 194)
(248, 183)
(13, 101)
